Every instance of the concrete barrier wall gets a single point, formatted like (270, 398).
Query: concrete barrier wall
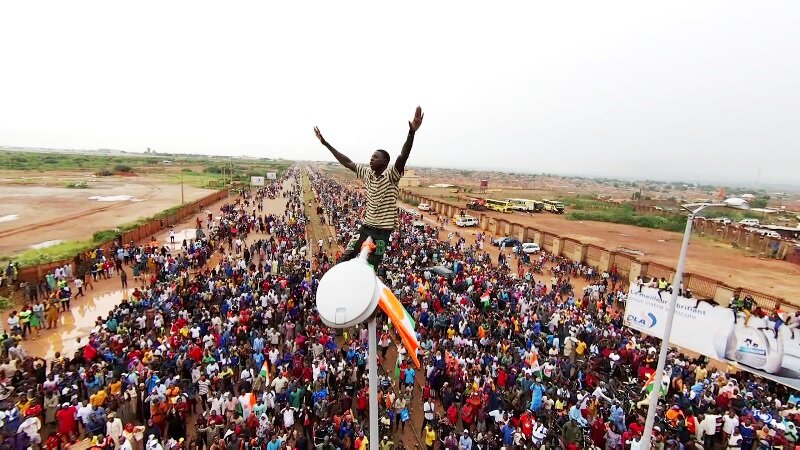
(629, 267)
(143, 231)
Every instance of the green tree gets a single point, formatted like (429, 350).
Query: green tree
(760, 202)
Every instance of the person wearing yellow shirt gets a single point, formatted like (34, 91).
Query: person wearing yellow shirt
(580, 349)
(451, 332)
(430, 437)
(362, 443)
(700, 373)
(98, 398)
(115, 388)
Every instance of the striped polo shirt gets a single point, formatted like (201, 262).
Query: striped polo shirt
(382, 192)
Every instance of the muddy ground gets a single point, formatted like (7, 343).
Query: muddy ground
(41, 208)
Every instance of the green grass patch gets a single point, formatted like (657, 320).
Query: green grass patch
(59, 252)
(6, 303)
(77, 185)
(626, 216)
(585, 203)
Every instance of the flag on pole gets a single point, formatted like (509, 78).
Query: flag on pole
(402, 321)
(396, 369)
(486, 298)
(534, 362)
(650, 383)
(265, 371)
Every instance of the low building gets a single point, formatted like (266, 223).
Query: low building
(410, 179)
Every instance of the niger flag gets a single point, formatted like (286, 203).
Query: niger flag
(402, 321)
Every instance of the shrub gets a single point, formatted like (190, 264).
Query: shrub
(186, 169)
(104, 173)
(78, 185)
(627, 217)
(103, 236)
(213, 169)
(123, 168)
(6, 303)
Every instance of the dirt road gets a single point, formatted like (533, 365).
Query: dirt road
(706, 257)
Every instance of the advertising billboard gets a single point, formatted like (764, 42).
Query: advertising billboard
(753, 344)
(256, 181)
(272, 176)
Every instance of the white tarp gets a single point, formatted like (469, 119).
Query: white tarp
(256, 181)
(272, 176)
(710, 330)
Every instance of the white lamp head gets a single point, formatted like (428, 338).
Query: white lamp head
(348, 294)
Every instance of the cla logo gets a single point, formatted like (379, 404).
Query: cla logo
(643, 321)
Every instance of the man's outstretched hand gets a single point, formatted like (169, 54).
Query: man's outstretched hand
(319, 135)
(413, 125)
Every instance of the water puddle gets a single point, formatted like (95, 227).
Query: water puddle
(77, 323)
(9, 218)
(46, 244)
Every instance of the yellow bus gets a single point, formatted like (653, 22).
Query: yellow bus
(553, 206)
(498, 205)
(523, 204)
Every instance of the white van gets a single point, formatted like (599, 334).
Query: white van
(530, 247)
(466, 221)
(749, 222)
(424, 207)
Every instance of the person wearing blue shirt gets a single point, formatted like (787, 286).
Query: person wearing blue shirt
(508, 434)
(258, 344)
(465, 442)
(274, 443)
(258, 358)
(575, 414)
(536, 397)
(410, 376)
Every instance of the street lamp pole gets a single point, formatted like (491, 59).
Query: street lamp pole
(673, 300)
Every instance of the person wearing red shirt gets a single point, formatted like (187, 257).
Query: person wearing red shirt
(502, 377)
(526, 424)
(67, 425)
(361, 404)
(452, 414)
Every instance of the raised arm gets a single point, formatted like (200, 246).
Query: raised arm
(343, 160)
(413, 126)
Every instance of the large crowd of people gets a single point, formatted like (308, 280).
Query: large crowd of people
(217, 345)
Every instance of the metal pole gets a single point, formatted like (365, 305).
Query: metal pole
(372, 328)
(644, 444)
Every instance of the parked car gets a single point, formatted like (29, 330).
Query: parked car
(722, 220)
(424, 207)
(530, 247)
(466, 221)
(769, 233)
(749, 222)
(506, 242)
(442, 271)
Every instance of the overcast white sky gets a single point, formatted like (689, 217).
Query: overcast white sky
(678, 90)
